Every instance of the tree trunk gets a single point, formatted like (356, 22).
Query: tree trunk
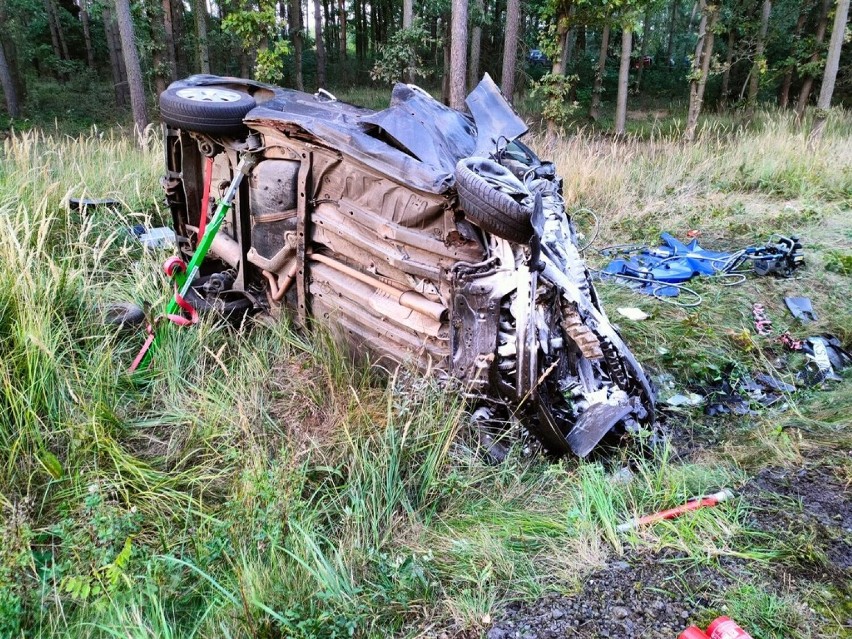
(296, 39)
(341, 12)
(623, 77)
(808, 82)
(87, 34)
(703, 52)
(60, 31)
(201, 31)
(445, 81)
(829, 76)
(510, 48)
(131, 63)
(757, 65)
(169, 39)
(646, 35)
(475, 46)
(786, 83)
(318, 35)
(729, 60)
(407, 23)
(116, 63)
(182, 66)
(157, 47)
(356, 13)
(407, 13)
(458, 55)
(54, 33)
(597, 89)
(8, 85)
(672, 24)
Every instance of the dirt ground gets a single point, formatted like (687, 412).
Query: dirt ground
(657, 596)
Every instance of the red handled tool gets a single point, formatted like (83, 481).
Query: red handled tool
(671, 513)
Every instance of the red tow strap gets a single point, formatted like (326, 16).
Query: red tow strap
(205, 197)
(189, 319)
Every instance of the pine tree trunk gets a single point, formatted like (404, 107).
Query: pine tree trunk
(119, 82)
(787, 82)
(672, 24)
(445, 81)
(54, 34)
(200, 9)
(318, 36)
(646, 33)
(87, 34)
(729, 61)
(169, 39)
(157, 47)
(407, 23)
(510, 48)
(597, 89)
(475, 46)
(131, 63)
(829, 76)
(623, 78)
(703, 52)
(63, 44)
(808, 82)
(296, 39)
(8, 85)
(754, 83)
(341, 12)
(458, 55)
(181, 64)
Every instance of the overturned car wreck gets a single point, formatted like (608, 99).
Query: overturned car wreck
(418, 234)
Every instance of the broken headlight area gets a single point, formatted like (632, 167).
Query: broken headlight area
(418, 234)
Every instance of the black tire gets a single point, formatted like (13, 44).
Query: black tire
(122, 314)
(232, 305)
(492, 210)
(186, 108)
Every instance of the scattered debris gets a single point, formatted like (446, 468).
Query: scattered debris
(719, 628)
(767, 381)
(826, 357)
(726, 628)
(692, 399)
(159, 237)
(661, 271)
(671, 513)
(85, 203)
(632, 313)
(801, 308)
(762, 324)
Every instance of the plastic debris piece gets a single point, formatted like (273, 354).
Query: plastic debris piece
(767, 381)
(159, 237)
(85, 203)
(632, 313)
(692, 399)
(801, 308)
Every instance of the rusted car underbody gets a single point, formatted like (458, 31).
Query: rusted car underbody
(419, 235)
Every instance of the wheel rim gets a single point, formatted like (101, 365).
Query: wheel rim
(197, 94)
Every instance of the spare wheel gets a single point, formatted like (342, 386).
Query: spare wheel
(206, 109)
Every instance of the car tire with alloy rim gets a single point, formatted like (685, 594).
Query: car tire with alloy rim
(206, 109)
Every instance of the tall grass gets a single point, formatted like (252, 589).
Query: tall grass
(258, 483)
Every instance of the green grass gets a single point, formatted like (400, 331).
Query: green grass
(257, 483)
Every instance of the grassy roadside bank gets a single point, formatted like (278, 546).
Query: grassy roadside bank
(260, 485)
